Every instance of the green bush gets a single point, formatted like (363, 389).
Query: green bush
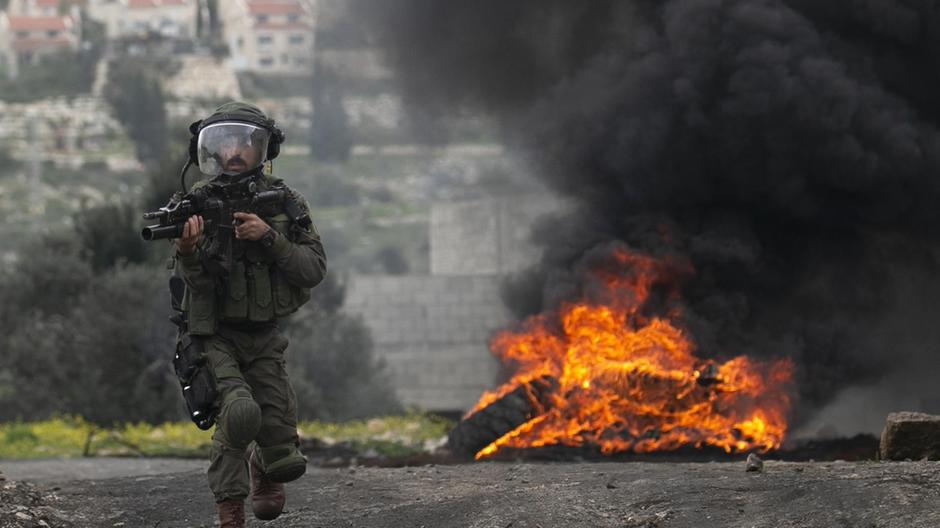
(92, 345)
(66, 73)
(135, 93)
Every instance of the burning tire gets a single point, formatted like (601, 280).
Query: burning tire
(486, 425)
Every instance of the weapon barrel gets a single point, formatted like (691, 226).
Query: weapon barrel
(158, 232)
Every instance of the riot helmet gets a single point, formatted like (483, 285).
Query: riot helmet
(235, 140)
(231, 148)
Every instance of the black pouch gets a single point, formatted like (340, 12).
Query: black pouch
(197, 382)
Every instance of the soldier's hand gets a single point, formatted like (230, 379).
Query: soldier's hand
(192, 234)
(249, 226)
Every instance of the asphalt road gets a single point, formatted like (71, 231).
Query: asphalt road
(172, 493)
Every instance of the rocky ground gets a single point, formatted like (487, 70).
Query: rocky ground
(148, 493)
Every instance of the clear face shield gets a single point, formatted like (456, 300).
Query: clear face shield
(231, 148)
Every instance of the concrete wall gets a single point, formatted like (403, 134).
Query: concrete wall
(433, 333)
(485, 237)
(433, 330)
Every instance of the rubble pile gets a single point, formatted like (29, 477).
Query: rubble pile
(26, 506)
(911, 436)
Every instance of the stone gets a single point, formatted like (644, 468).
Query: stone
(754, 463)
(911, 436)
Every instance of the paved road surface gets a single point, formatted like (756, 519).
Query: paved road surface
(172, 493)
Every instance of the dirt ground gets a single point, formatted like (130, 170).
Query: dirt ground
(172, 493)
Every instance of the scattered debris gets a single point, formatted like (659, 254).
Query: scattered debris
(26, 506)
(754, 463)
(654, 520)
(911, 436)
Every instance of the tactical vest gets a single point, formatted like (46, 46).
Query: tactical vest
(254, 291)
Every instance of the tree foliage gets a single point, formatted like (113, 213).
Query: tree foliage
(86, 331)
(334, 371)
(331, 137)
(136, 97)
(106, 246)
(8, 164)
(80, 343)
(62, 73)
(333, 190)
(332, 363)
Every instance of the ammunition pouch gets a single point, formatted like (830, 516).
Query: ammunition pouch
(201, 312)
(287, 297)
(196, 380)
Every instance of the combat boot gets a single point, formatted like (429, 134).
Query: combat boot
(231, 513)
(267, 497)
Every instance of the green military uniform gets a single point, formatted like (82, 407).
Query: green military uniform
(237, 315)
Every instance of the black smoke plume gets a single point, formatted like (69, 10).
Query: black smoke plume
(788, 149)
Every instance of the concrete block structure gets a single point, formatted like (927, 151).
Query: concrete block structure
(269, 36)
(486, 237)
(432, 333)
(433, 330)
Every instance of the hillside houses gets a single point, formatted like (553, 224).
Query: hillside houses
(174, 19)
(25, 38)
(269, 36)
(238, 48)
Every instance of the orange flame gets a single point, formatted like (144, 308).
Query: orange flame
(628, 382)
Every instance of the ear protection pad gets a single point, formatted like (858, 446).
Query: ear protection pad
(194, 137)
(274, 145)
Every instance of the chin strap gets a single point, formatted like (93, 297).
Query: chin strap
(186, 167)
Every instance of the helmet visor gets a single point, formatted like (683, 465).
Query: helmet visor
(231, 148)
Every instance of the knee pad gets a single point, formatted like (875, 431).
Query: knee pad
(282, 463)
(240, 421)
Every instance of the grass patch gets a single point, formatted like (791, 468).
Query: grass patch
(409, 429)
(74, 437)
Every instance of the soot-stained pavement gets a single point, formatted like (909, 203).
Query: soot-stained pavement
(529, 495)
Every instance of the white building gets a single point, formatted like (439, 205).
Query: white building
(269, 36)
(48, 8)
(135, 18)
(7, 57)
(24, 39)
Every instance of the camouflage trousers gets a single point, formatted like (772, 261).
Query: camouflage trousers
(249, 364)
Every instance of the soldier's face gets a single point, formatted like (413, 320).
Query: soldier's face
(239, 157)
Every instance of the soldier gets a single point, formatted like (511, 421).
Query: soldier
(275, 262)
